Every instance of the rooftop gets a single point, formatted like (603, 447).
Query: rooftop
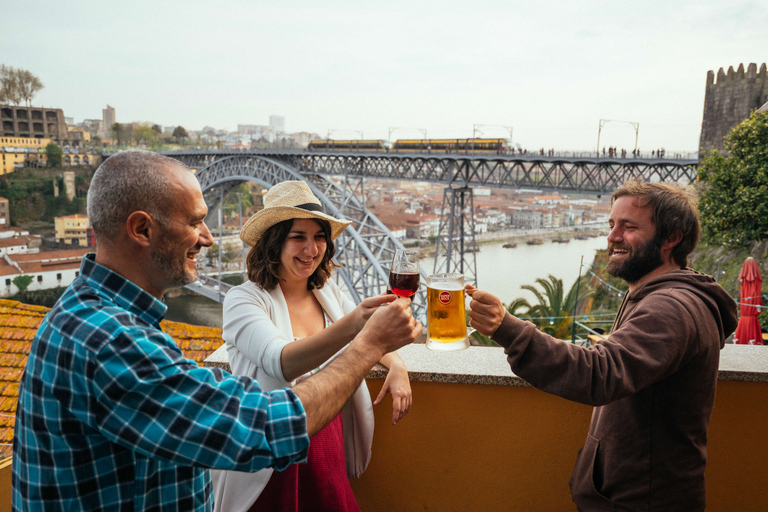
(18, 325)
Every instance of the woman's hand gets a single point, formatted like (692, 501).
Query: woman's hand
(398, 384)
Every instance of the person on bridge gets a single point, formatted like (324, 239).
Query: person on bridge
(111, 415)
(652, 380)
(282, 325)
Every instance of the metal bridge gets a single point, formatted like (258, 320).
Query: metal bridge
(365, 248)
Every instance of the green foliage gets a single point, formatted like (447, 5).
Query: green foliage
(46, 298)
(22, 282)
(146, 135)
(118, 132)
(31, 198)
(554, 312)
(734, 189)
(55, 154)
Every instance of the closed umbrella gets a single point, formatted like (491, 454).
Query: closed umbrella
(751, 300)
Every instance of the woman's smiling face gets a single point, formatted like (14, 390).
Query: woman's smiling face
(303, 250)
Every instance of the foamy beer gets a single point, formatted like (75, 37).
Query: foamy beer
(446, 321)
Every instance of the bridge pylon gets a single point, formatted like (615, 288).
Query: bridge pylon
(456, 246)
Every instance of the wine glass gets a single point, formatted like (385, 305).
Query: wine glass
(404, 273)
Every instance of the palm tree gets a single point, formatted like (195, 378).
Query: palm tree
(555, 311)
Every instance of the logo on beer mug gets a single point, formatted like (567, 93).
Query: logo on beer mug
(446, 320)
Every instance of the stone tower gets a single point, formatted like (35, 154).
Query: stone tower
(730, 100)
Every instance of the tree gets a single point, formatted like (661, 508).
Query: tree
(54, 153)
(180, 133)
(18, 85)
(22, 282)
(9, 90)
(145, 134)
(29, 85)
(733, 207)
(157, 129)
(555, 311)
(118, 131)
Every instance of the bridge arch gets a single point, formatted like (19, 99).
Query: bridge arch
(363, 250)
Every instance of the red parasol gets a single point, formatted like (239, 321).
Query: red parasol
(751, 300)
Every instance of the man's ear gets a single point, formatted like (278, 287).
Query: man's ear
(140, 227)
(672, 240)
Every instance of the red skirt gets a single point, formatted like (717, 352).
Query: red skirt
(320, 485)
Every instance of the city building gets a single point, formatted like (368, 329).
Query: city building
(108, 118)
(14, 243)
(5, 213)
(72, 229)
(49, 269)
(93, 126)
(36, 123)
(17, 152)
(277, 123)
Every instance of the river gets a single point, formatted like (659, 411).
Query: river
(500, 271)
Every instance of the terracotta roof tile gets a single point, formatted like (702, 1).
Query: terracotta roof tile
(18, 325)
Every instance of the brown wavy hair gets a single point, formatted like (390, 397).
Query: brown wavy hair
(674, 209)
(263, 260)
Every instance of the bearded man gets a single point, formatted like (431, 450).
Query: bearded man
(652, 380)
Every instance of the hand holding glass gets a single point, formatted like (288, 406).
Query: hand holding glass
(404, 273)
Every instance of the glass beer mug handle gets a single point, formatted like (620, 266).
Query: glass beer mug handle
(467, 300)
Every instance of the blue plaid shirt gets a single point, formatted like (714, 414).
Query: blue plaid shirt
(112, 416)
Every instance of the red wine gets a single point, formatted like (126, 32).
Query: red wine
(403, 285)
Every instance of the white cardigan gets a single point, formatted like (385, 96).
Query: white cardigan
(256, 328)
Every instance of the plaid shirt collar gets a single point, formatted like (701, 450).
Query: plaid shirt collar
(123, 292)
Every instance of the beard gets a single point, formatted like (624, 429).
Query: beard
(640, 261)
(174, 264)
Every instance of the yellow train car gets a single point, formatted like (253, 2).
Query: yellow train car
(348, 145)
(468, 146)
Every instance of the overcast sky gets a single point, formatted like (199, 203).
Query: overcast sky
(551, 70)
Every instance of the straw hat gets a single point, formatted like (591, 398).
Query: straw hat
(284, 201)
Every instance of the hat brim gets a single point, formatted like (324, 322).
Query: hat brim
(261, 221)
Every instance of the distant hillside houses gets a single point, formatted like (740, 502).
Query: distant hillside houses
(49, 269)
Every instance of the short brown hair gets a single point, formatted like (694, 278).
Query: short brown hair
(674, 208)
(263, 260)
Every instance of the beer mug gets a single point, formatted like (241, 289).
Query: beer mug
(446, 321)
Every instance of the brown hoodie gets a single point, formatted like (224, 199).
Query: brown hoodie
(652, 382)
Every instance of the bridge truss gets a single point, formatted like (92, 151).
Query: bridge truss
(586, 175)
(364, 250)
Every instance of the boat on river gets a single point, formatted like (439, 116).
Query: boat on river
(560, 240)
(535, 241)
(509, 245)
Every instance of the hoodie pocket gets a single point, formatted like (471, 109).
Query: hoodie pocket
(586, 478)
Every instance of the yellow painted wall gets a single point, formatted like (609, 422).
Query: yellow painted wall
(491, 448)
(469, 447)
(5, 485)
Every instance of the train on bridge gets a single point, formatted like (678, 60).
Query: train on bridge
(462, 146)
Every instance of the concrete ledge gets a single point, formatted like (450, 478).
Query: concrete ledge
(488, 365)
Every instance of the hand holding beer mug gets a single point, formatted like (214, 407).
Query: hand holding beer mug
(404, 274)
(446, 320)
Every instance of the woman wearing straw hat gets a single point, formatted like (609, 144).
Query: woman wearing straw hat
(285, 323)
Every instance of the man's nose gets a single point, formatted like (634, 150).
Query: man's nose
(206, 238)
(614, 235)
